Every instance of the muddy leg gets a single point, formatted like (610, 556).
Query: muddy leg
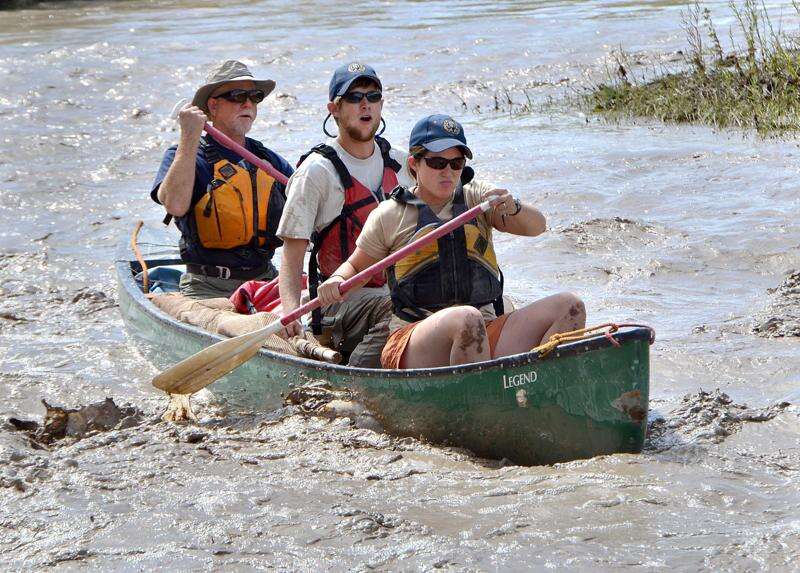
(455, 335)
(537, 322)
(572, 316)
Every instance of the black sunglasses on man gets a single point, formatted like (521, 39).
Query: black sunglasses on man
(240, 96)
(356, 97)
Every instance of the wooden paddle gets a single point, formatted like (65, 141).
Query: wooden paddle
(200, 370)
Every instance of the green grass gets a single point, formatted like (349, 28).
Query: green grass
(756, 85)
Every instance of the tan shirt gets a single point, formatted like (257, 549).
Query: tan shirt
(392, 225)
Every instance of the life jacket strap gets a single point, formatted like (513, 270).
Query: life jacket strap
(330, 154)
(384, 146)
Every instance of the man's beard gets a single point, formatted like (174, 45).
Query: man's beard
(242, 127)
(357, 135)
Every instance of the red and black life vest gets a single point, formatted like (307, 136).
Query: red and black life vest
(333, 245)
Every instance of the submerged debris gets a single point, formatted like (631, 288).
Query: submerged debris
(60, 423)
(611, 233)
(705, 416)
(783, 315)
(91, 301)
(321, 399)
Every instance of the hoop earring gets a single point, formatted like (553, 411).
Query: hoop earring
(383, 121)
(325, 129)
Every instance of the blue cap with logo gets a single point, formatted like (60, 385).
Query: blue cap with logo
(437, 133)
(345, 75)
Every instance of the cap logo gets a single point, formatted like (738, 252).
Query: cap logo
(450, 126)
(356, 67)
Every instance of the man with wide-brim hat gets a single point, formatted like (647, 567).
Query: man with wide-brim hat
(335, 187)
(226, 209)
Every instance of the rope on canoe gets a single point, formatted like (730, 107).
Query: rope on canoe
(607, 329)
(135, 247)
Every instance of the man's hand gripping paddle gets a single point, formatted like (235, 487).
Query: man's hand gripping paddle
(210, 364)
(227, 142)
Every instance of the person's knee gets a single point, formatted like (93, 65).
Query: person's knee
(574, 307)
(454, 319)
(466, 328)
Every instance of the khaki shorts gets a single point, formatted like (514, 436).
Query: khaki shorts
(201, 286)
(360, 328)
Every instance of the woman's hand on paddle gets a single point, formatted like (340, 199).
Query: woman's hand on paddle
(192, 119)
(328, 292)
(502, 206)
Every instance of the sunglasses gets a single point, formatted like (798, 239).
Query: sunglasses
(356, 97)
(439, 163)
(241, 96)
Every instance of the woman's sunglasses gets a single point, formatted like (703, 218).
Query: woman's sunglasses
(439, 163)
(241, 96)
(356, 97)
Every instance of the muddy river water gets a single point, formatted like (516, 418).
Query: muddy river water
(688, 230)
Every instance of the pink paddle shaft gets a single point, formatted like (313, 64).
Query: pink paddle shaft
(392, 259)
(226, 141)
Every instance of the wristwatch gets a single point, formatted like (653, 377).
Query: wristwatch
(517, 209)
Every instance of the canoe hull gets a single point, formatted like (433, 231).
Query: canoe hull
(586, 399)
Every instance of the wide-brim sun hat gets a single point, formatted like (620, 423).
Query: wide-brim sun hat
(228, 71)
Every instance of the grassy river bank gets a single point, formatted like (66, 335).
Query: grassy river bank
(754, 84)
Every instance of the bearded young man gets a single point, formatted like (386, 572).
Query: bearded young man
(337, 184)
(226, 209)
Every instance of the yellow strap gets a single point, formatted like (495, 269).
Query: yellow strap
(571, 336)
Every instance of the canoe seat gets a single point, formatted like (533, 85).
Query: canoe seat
(163, 279)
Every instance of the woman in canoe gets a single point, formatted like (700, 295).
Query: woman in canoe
(447, 297)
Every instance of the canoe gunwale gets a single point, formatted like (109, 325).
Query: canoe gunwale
(126, 268)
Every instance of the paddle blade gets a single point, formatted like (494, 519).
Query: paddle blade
(210, 364)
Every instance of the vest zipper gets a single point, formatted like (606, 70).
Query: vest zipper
(254, 193)
(241, 202)
(216, 216)
(451, 240)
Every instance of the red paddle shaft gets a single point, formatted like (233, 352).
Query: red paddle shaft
(361, 277)
(226, 141)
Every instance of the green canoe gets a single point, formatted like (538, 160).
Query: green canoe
(585, 399)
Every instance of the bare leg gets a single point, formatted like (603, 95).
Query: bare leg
(455, 335)
(536, 323)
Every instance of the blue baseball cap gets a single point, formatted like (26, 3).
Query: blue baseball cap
(345, 75)
(437, 133)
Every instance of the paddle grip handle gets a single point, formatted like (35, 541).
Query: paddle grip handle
(357, 280)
